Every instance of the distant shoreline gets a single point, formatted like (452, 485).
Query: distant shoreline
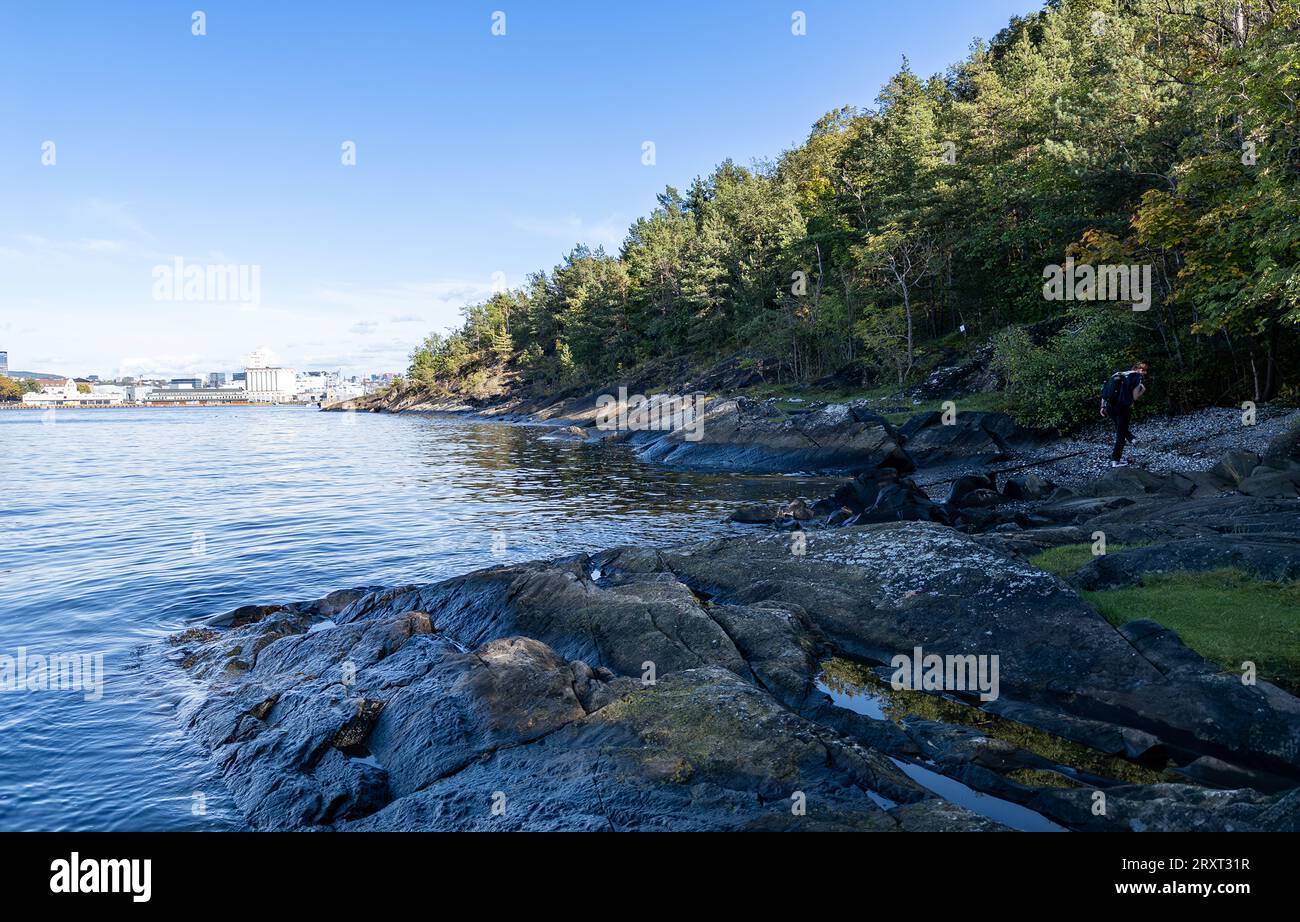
(151, 406)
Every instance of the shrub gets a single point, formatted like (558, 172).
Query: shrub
(1058, 385)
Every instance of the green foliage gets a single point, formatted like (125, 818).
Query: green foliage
(883, 333)
(1169, 138)
(1058, 385)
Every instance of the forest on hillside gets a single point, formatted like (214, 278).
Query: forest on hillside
(1112, 133)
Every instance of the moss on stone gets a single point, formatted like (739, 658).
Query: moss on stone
(690, 730)
(850, 678)
(1041, 778)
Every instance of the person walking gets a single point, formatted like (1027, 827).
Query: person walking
(1122, 390)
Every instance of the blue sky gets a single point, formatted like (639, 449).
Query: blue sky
(476, 154)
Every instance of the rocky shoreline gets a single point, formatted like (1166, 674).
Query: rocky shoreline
(742, 683)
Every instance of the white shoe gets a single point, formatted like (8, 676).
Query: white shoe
(1119, 464)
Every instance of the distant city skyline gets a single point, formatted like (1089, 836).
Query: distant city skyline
(136, 152)
(204, 372)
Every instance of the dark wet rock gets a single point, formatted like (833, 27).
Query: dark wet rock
(1286, 446)
(968, 375)
(1028, 486)
(1000, 768)
(1235, 466)
(1124, 481)
(881, 735)
(727, 376)
(1164, 649)
(1182, 504)
(1216, 773)
(1078, 510)
(193, 635)
(701, 749)
(326, 607)
(881, 589)
(247, 614)
(675, 689)
(744, 435)
(842, 517)
(901, 501)
(755, 515)
(914, 424)
(356, 731)
(1268, 557)
(971, 435)
(860, 493)
(1170, 808)
(1237, 496)
(883, 496)
(504, 743)
(1029, 520)
(1184, 484)
(1111, 739)
(941, 816)
(1159, 515)
(798, 509)
(951, 747)
(977, 519)
(1272, 482)
(982, 498)
(778, 643)
(963, 487)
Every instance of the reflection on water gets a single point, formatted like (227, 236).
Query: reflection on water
(855, 688)
(1002, 811)
(122, 526)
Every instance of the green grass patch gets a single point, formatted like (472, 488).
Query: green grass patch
(883, 400)
(1065, 560)
(800, 394)
(985, 403)
(1227, 616)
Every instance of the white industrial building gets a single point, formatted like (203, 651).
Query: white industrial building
(271, 385)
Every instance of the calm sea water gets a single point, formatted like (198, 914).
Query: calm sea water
(119, 527)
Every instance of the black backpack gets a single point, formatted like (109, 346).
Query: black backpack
(1116, 389)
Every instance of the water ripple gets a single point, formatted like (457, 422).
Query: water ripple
(120, 527)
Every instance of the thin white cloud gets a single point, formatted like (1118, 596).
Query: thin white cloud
(116, 215)
(103, 246)
(47, 250)
(163, 364)
(608, 232)
(437, 304)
